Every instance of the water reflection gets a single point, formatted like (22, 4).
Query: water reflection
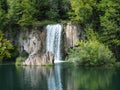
(58, 77)
(90, 79)
(45, 78)
(54, 80)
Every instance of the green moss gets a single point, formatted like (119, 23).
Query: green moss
(19, 60)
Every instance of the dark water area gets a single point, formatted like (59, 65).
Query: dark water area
(59, 77)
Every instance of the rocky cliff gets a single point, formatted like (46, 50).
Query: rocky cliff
(33, 42)
(72, 33)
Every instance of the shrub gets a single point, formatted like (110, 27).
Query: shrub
(91, 53)
(5, 47)
(19, 60)
(44, 23)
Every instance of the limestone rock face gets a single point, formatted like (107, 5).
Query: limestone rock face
(33, 42)
(34, 59)
(73, 33)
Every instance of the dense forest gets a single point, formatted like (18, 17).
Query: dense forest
(100, 20)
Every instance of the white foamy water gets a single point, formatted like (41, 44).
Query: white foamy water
(53, 40)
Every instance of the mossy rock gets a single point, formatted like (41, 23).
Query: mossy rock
(20, 60)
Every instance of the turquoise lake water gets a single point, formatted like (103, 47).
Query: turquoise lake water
(58, 77)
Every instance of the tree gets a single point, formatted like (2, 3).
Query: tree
(110, 24)
(3, 12)
(51, 9)
(91, 53)
(15, 10)
(82, 10)
(5, 46)
(21, 12)
(28, 12)
(102, 16)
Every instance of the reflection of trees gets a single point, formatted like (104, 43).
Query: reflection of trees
(90, 79)
(60, 78)
(40, 78)
(7, 77)
(34, 76)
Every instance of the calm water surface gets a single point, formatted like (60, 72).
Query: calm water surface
(59, 77)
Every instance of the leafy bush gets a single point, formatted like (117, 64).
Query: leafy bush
(91, 53)
(19, 60)
(46, 22)
(5, 47)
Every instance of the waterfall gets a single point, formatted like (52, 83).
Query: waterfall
(53, 40)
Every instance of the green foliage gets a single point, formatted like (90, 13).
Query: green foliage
(103, 17)
(51, 9)
(110, 24)
(90, 34)
(21, 12)
(90, 78)
(46, 22)
(2, 18)
(82, 10)
(25, 13)
(14, 11)
(28, 11)
(5, 47)
(3, 10)
(91, 53)
(19, 60)
(110, 20)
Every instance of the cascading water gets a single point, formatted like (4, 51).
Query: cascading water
(53, 40)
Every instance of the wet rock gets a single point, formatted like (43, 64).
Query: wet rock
(47, 58)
